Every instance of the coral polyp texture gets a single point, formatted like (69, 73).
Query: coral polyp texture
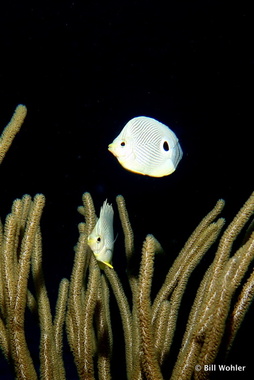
(84, 311)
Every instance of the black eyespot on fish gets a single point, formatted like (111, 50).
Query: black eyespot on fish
(98, 239)
(122, 143)
(165, 146)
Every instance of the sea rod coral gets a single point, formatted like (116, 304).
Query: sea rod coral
(84, 301)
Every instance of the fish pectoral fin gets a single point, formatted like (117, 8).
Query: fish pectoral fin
(115, 238)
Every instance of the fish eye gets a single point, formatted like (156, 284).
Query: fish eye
(122, 143)
(98, 239)
(166, 146)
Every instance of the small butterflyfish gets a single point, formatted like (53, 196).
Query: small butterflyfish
(101, 240)
(146, 146)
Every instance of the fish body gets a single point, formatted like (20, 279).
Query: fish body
(101, 240)
(146, 146)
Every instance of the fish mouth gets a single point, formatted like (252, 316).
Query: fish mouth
(90, 241)
(111, 148)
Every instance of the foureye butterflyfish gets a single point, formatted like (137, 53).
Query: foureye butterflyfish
(146, 146)
(101, 240)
